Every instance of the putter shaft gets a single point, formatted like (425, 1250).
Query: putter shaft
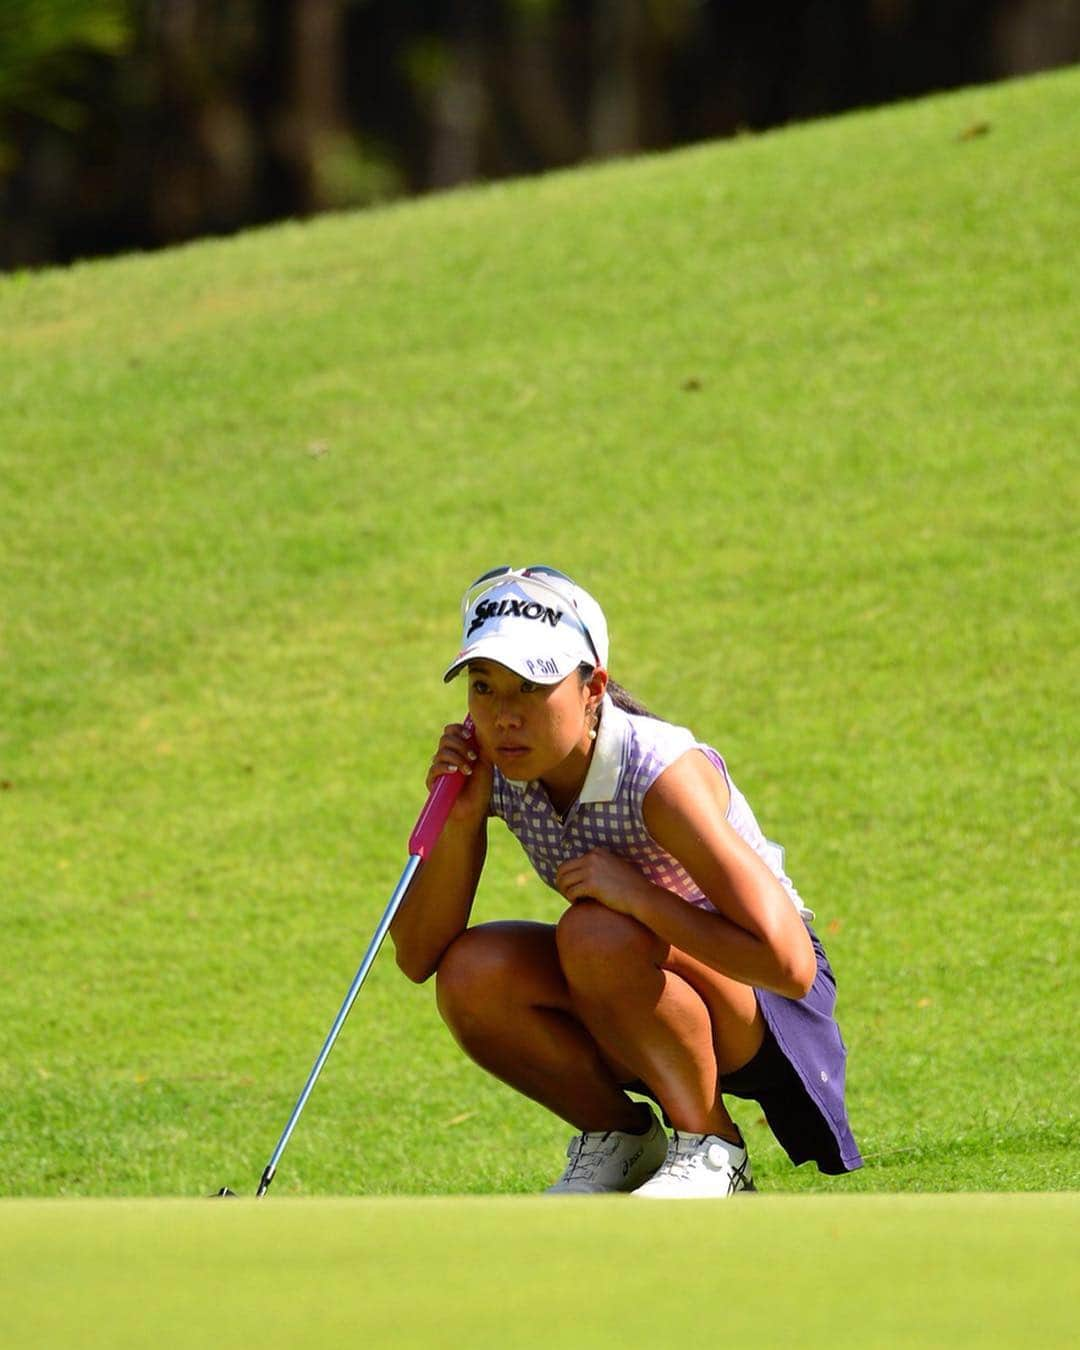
(387, 919)
(429, 825)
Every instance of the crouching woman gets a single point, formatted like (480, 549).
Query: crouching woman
(683, 967)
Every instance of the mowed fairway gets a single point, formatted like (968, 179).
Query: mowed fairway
(862, 1271)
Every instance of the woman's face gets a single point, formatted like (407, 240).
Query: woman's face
(528, 730)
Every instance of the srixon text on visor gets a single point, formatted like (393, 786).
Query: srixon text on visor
(521, 609)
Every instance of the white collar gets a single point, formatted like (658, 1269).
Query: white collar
(608, 757)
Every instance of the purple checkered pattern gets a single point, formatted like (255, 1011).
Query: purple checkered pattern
(631, 753)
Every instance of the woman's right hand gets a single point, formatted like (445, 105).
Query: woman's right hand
(458, 753)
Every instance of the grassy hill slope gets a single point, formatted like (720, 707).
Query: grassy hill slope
(800, 409)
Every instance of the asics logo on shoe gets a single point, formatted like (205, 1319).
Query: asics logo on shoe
(740, 1180)
(631, 1161)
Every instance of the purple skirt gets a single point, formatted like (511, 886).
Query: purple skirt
(798, 1074)
(797, 1077)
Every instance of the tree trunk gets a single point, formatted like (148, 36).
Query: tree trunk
(460, 104)
(315, 119)
(614, 117)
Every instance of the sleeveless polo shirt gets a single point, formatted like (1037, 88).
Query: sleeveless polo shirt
(629, 755)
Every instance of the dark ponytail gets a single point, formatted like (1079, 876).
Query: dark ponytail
(622, 698)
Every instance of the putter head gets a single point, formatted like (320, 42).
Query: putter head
(224, 1191)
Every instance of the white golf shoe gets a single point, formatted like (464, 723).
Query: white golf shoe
(700, 1167)
(603, 1163)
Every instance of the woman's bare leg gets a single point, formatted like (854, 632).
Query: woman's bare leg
(502, 993)
(568, 1015)
(675, 1022)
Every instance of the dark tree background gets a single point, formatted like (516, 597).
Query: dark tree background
(137, 123)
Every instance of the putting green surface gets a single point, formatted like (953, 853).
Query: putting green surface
(948, 1270)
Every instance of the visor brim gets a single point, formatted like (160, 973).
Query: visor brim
(547, 669)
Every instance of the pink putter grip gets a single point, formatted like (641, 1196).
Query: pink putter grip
(441, 798)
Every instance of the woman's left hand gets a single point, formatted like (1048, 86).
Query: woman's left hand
(599, 875)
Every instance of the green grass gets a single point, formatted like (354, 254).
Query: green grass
(800, 409)
(928, 1271)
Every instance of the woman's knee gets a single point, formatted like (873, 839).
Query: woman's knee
(481, 974)
(598, 947)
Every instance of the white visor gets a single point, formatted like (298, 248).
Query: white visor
(540, 631)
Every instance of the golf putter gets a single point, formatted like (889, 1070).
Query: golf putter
(426, 831)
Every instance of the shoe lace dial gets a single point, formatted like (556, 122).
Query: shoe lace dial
(686, 1156)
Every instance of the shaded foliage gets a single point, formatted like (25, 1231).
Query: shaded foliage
(40, 44)
(135, 123)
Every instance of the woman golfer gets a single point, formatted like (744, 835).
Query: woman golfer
(683, 967)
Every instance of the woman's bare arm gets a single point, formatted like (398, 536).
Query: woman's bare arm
(440, 899)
